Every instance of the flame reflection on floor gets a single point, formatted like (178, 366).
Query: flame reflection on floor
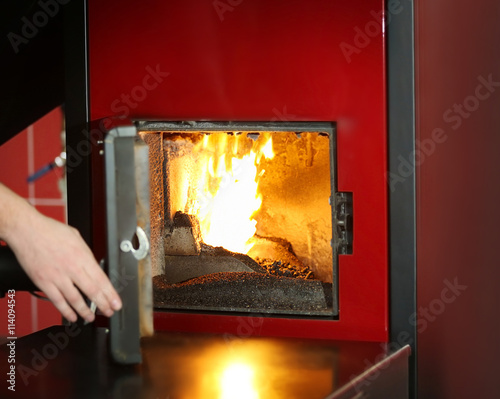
(190, 366)
(237, 382)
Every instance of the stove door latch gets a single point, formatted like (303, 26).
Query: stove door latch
(141, 249)
(343, 223)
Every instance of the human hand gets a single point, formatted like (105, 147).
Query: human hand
(59, 262)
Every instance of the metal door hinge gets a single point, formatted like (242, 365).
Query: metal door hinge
(343, 223)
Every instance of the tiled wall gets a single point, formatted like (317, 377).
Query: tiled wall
(30, 150)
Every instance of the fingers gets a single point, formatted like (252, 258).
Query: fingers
(67, 300)
(60, 303)
(94, 283)
(82, 273)
(76, 301)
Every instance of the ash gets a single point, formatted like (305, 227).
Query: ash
(245, 292)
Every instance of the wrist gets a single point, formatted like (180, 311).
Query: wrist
(16, 215)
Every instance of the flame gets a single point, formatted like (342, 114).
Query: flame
(227, 194)
(237, 382)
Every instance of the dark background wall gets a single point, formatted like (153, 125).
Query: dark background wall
(32, 66)
(458, 197)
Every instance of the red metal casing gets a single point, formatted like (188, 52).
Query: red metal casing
(235, 60)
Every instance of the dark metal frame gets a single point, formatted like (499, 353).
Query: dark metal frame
(79, 182)
(340, 202)
(402, 199)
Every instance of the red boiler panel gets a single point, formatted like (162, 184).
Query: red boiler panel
(236, 60)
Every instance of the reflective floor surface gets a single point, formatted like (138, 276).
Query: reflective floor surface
(62, 363)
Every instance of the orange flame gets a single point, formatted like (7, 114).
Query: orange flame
(227, 195)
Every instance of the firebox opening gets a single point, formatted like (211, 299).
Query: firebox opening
(241, 218)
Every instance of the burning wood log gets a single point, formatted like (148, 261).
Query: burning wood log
(278, 258)
(183, 237)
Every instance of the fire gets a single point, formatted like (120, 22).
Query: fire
(227, 194)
